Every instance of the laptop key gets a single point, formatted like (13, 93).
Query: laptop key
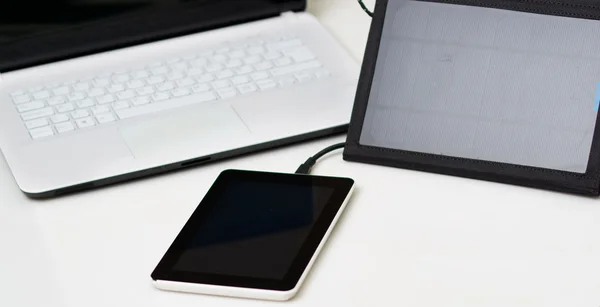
(140, 101)
(100, 109)
(240, 80)
(283, 62)
(59, 118)
(80, 114)
(234, 63)
(301, 54)
(201, 88)
(105, 118)
(30, 106)
(64, 127)
(205, 78)
(165, 87)
(180, 92)
(119, 105)
(105, 99)
(263, 65)
(186, 82)
(57, 100)
(219, 58)
(121, 78)
(179, 67)
(244, 70)
(227, 92)
(76, 96)
(213, 67)
(260, 76)
(287, 81)
(101, 82)
(220, 84)
(96, 92)
(141, 74)
(266, 84)
(67, 107)
(225, 74)
(295, 68)
(85, 122)
(252, 59)
(195, 72)
(115, 88)
(86, 103)
(63, 90)
(37, 114)
(145, 91)
(155, 80)
(41, 95)
(247, 88)
(133, 84)
(83, 86)
(128, 94)
(272, 55)
(160, 96)
(174, 76)
(41, 132)
(36, 123)
(21, 99)
(303, 76)
(201, 62)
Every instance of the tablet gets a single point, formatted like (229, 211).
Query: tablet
(254, 235)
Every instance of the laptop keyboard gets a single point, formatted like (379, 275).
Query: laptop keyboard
(220, 73)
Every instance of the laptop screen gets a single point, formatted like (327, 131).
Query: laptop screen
(19, 19)
(31, 30)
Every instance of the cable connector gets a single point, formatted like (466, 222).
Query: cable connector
(310, 162)
(306, 166)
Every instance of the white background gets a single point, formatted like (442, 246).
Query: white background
(406, 239)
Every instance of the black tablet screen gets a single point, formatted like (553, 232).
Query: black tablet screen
(254, 229)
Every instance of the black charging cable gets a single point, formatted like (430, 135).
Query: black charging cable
(310, 162)
(364, 7)
(305, 168)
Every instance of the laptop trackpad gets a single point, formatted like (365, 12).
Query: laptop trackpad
(200, 130)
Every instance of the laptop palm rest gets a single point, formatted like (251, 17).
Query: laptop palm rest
(198, 131)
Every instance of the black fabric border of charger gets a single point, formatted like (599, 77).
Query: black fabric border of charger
(562, 181)
(125, 31)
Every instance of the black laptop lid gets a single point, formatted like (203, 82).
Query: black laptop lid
(34, 32)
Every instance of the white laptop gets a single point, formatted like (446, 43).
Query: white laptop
(94, 92)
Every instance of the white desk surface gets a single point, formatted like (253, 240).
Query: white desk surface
(406, 239)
